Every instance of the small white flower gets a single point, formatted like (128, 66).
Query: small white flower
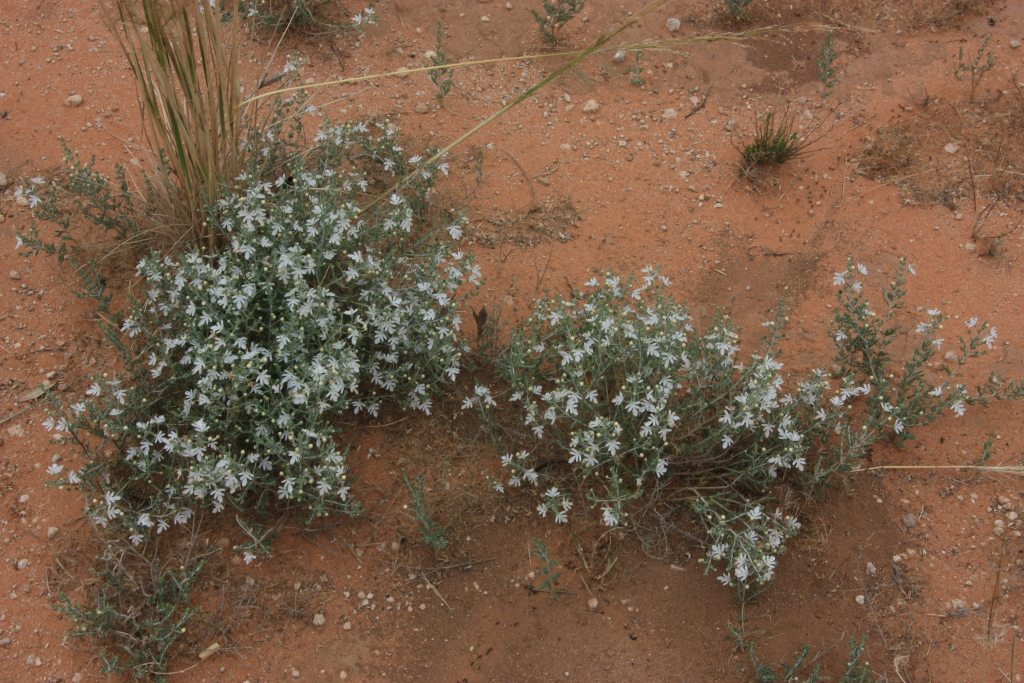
(838, 280)
(972, 322)
(991, 338)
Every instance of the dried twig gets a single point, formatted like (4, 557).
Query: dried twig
(434, 588)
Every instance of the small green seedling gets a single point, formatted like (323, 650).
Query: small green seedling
(738, 9)
(635, 74)
(556, 15)
(442, 78)
(826, 65)
(974, 68)
(548, 566)
(432, 532)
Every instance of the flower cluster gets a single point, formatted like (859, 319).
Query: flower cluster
(238, 361)
(748, 541)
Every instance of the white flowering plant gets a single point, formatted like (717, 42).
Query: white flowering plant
(899, 393)
(636, 401)
(237, 363)
(621, 399)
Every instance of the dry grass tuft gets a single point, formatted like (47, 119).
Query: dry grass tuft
(554, 219)
(890, 154)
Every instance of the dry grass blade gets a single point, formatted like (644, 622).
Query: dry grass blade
(190, 96)
(646, 45)
(1006, 469)
(992, 611)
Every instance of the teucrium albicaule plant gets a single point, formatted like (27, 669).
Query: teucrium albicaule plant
(238, 363)
(635, 396)
(617, 387)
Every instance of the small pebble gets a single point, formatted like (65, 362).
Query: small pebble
(23, 499)
(1014, 44)
(909, 521)
(295, 673)
(74, 101)
(591, 106)
(52, 531)
(592, 603)
(3, 181)
(347, 626)
(673, 24)
(951, 148)
(14, 275)
(319, 620)
(860, 599)
(619, 57)
(422, 108)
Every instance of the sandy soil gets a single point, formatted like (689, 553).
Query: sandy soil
(908, 558)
